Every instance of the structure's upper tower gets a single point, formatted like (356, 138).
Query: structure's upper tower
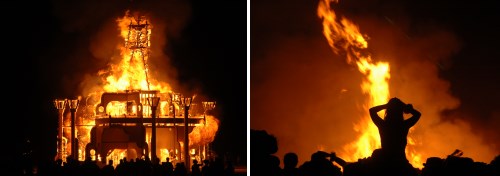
(138, 41)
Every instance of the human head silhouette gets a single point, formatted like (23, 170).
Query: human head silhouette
(319, 156)
(394, 109)
(291, 160)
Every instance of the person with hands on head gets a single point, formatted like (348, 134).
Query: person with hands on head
(393, 129)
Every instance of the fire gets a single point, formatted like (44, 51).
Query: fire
(130, 72)
(204, 134)
(344, 37)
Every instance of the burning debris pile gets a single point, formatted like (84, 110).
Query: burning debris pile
(130, 114)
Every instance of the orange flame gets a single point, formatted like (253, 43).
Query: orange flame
(131, 72)
(204, 134)
(344, 36)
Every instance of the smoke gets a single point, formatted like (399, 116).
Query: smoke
(300, 91)
(95, 37)
(205, 134)
(415, 77)
(310, 98)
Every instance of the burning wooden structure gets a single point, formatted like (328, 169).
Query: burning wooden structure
(121, 120)
(127, 130)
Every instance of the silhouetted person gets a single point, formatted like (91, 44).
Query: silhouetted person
(263, 147)
(320, 164)
(180, 169)
(393, 130)
(456, 165)
(169, 167)
(108, 170)
(205, 169)
(433, 166)
(71, 166)
(89, 167)
(121, 168)
(495, 166)
(275, 168)
(290, 161)
(195, 168)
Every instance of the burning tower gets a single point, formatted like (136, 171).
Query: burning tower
(131, 114)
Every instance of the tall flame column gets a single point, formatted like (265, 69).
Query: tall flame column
(153, 103)
(73, 106)
(60, 105)
(186, 101)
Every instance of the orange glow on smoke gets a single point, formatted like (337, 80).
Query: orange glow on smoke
(128, 72)
(131, 72)
(204, 134)
(344, 37)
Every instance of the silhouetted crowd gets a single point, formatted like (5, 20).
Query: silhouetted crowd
(263, 162)
(132, 167)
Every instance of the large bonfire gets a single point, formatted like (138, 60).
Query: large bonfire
(344, 37)
(129, 73)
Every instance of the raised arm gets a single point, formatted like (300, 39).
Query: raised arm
(415, 115)
(340, 161)
(373, 114)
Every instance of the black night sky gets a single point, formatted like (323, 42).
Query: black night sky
(49, 46)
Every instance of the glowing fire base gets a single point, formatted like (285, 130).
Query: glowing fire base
(121, 127)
